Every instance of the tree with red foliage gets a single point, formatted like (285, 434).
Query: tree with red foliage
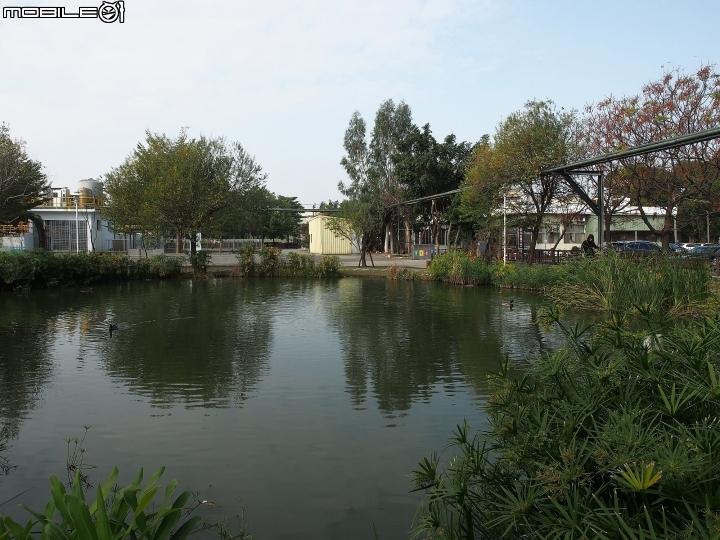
(677, 104)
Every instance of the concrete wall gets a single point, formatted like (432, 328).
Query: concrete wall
(323, 241)
(21, 241)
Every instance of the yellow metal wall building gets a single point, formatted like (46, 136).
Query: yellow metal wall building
(323, 241)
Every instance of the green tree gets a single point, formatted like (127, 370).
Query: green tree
(359, 223)
(371, 167)
(364, 208)
(426, 167)
(525, 143)
(180, 184)
(23, 184)
(283, 224)
(245, 216)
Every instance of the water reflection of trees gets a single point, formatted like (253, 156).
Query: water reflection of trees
(397, 339)
(198, 343)
(407, 341)
(25, 363)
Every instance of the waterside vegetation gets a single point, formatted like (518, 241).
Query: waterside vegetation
(614, 436)
(117, 513)
(40, 269)
(272, 263)
(607, 283)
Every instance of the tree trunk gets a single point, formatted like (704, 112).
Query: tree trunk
(534, 233)
(178, 241)
(193, 247)
(448, 234)
(457, 235)
(562, 233)
(606, 232)
(408, 236)
(363, 250)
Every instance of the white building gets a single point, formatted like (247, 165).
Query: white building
(73, 222)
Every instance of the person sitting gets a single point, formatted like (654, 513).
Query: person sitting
(589, 246)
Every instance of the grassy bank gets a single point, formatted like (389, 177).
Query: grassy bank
(612, 437)
(39, 269)
(605, 283)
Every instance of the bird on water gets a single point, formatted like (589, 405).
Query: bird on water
(112, 327)
(509, 304)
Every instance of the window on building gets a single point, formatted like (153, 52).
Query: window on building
(574, 233)
(62, 235)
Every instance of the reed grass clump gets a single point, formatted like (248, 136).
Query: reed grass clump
(39, 269)
(271, 263)
(614, 437)
(614, 283)
(460, 268)
(398, 273)
(536, 277)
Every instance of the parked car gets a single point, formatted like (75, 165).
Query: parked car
(636, 247)
(677, 248)
(708, 252)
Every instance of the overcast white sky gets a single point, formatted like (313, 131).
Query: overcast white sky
(284, 77)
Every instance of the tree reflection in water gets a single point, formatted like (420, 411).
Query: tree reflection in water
(25, 363)
(386, 340)
(199, 343)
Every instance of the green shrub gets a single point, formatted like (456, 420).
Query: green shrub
(297, 265)
(273, 264)
(329, 266)
(270, 262)
(614, 436)
(200, 262)
(40, 269)
(460, 268)
(536, 277)
(246, 262)
(130, 512)
(398, 273)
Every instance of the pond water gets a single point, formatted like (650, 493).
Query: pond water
(309, 401)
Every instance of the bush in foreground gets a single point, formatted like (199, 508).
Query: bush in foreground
(116, 514)
(39, 269)
(615, 436)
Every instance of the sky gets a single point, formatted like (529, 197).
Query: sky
(284, 77)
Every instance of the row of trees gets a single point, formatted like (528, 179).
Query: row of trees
(400, 162)
(681, 182)
(403, 162)
(182, 187)
(185, 186)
